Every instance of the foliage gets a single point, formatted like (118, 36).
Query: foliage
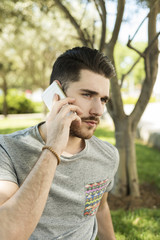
(31, 38)
(148, 3)
(17, 103)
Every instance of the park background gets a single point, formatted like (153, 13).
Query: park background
(34, 33)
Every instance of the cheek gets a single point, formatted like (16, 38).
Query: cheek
(84, 106)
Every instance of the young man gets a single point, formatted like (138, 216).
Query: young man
(41, 199)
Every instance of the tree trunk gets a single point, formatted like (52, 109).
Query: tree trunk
(126, 180)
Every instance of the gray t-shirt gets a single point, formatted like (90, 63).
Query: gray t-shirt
(77, 188)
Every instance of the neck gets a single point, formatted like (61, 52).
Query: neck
(74, 144)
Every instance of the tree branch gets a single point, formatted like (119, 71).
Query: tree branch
(115, 33)
(133, 48)
(73, 22)
(144, 55)
(138, 28)
(116, 106)
(151, 68)
(152, 8)
(151, 43)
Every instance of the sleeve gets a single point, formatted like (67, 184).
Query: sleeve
(116, 161)
(7, 171)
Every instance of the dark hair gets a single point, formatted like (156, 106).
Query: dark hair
(67, 67)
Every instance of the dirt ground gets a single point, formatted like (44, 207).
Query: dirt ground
(150, 198)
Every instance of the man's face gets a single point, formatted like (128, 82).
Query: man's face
(91, 93)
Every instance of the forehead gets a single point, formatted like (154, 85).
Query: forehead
(93, 81)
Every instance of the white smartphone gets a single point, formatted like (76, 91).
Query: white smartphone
(48, 94)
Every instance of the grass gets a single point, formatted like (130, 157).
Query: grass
(9, 125)
(140, 224)
(148, 164)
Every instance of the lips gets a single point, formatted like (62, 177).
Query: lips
(91, 123)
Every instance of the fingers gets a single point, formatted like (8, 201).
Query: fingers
(64, 106)
(56, 98)
(67, 109)
(67, 100)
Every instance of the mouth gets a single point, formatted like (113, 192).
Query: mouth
(91, 123)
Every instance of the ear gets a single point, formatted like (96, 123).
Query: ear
(58, 82)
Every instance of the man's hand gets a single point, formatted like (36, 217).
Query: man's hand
(58, 123)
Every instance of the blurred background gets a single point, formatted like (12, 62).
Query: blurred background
(33, 33)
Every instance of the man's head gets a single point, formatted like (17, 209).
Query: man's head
(67, 67)
(84, 74)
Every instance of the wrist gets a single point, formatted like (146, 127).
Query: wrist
(54, 146)
(49, 148)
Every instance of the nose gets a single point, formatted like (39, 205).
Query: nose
(97, 108)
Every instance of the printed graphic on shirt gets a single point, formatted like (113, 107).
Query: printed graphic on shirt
(94, 194)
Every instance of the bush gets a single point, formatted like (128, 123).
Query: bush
(17, 103)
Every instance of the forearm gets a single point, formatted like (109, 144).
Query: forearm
(105, 226)
(21, 213)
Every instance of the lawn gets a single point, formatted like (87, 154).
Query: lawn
(140, 224)
(9, 125)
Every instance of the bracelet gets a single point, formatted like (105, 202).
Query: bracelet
(52, 151)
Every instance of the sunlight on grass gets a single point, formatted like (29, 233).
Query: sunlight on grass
(10, 125)
(141, 224)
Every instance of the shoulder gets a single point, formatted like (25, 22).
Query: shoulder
(105, 149)
(15, 137)
(16, 134)
(103, 145)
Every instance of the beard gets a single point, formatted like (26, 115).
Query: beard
(81, 131)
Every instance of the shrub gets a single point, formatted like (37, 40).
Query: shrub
(17, 103)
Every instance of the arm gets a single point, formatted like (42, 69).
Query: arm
(20, 212)
(105, 226)
(21, 208)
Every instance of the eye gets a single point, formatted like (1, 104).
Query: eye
(86, 95)
(104, 100)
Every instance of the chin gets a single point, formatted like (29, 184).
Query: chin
(81, 135)
(81, 132)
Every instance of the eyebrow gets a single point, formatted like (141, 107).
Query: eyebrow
(94, 93)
